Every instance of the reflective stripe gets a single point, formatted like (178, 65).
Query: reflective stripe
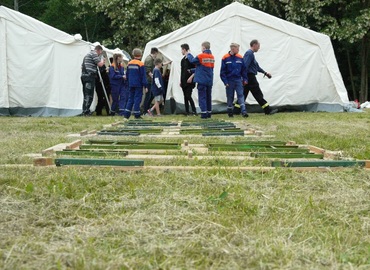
(264, 106)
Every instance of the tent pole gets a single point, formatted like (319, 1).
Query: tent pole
(105, 92)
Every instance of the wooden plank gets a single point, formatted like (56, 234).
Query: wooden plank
(74, 144)
(287, 155)
(322, 163)
(258, 150)
(98, 162)
(91, 153)
(43, 161)
(234, 133)
(260, 142)
(119, 133)
(121, 142)
(129, 146)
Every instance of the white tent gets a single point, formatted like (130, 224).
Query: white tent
(40, 67)
(302, 62)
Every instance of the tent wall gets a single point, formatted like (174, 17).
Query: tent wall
(40, 68)
(302, 62)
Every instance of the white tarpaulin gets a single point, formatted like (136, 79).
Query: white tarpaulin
(305, 73)
(40, 67)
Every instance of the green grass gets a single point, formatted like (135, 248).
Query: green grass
(91, 218)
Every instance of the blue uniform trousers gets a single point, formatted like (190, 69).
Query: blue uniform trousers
(205, 100)
(134, 100)
(235, 86)
(123, 99)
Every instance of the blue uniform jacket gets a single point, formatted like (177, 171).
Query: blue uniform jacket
(157, 84)
(116, 76)
(136, 74)
(251, 64)
(205, 63)
(232, 68)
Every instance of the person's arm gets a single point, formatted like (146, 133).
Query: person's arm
(244, 74)
(247, 59)
(190, 79)
(148, 63)
(223, 73)
(143, 77)
(113, 74)
(157, 81)
(192, 59)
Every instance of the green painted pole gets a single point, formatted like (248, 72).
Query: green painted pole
(99, 162)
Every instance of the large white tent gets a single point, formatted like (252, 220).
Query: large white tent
(40, 67)
(305, 72)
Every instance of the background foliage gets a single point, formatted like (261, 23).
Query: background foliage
(132, 23)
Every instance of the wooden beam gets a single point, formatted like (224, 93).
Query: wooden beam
(97, 162)
(74, 144)
(321, 163)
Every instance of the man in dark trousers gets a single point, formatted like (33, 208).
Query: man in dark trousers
(187, 87)
(149, 65)
(252, 84)
(89, 70)
(102, 99)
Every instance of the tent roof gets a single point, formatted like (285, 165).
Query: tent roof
(293, 54)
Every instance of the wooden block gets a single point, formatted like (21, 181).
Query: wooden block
(51, 150)
(367, 164)
(43, 161)
(74, 144)
(259, 133)
(316, 150)
(190, 154)
(186, 143)
(91, 132)
(83, 132)
(290, 143)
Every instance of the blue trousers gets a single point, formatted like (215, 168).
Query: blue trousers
(148, 98)
(134, 100)
(123, 98)
(205, 100)
(235, 86)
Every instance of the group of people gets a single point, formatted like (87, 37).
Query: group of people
(238, 73)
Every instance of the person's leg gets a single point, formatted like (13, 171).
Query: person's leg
(122, 99)
(257, 93)
(240, 96)
(209, 101)
(156, 105)
(230, 99)
(130, 103)
(101, 100)
(202, 100)
(186, 100)
(88, 91)
(148, 98)
(138, 95)
(115, 98)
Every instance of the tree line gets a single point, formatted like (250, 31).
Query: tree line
(131, 23)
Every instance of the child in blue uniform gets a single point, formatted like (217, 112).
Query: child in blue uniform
(119, 90)
(204, 63)
(157, 87)
(136, 76)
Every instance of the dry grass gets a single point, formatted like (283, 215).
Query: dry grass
(90, 218)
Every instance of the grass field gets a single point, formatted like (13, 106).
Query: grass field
(91, 218)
